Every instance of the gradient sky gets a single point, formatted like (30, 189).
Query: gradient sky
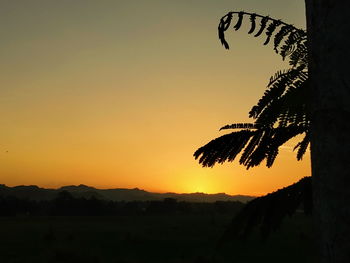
(121, 93)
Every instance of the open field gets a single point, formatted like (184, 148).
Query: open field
(163, 238)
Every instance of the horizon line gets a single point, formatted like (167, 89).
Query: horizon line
(132, 188)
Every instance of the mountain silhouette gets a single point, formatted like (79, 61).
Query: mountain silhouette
(33, 192)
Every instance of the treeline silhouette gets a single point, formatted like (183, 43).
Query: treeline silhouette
(65, 204)
(268, 212)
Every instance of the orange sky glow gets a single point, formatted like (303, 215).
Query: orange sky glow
(119, 94)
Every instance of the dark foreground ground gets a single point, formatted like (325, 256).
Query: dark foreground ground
(163, 238)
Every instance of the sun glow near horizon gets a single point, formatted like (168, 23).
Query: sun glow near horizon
(91, 96)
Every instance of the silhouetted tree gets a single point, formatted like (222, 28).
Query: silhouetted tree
(326, 116)
(268, 211)
(280, 114)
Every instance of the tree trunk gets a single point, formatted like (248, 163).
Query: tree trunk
(329, 43)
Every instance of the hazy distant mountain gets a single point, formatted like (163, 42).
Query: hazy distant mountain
(28, 192)
(34, 192)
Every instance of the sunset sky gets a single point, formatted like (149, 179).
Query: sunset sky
(119, 94)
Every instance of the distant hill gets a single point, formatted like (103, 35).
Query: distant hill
(34, 192)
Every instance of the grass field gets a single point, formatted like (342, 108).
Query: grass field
(128, 239)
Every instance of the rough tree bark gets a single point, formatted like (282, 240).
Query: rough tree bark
(328, 27)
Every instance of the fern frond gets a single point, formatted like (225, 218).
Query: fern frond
(240, 126)
(239, 22)
(253, 24)
(253, 143)
(260, 152)
(285, 73)
(280, 114)
(295, 37)
(224, 148)
(299, 56)
(223, 26)
(290, 44)
(284, 134)
(263, 23)
(284, 31)
(271, 157)
(294, 109)
(270, 29)
(276, 87)
(302, 146)
(287, 109)
(227, 22)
